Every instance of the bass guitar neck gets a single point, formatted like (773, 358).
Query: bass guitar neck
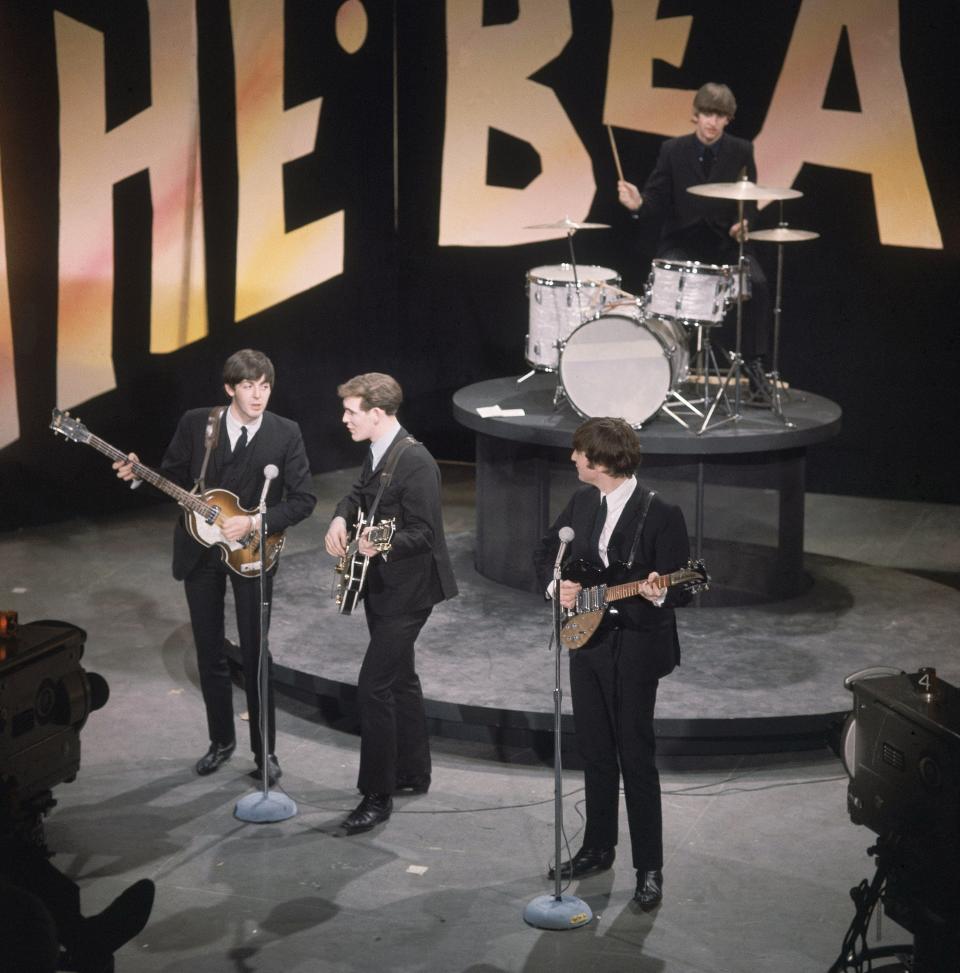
(204, 513)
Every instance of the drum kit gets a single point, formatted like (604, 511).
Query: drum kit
(619, 354)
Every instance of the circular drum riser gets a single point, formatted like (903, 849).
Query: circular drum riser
(622, 366)
(556, 311)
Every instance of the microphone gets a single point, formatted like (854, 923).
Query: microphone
(566, 535)
(270, 472)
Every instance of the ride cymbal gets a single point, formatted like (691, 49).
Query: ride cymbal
(567, 224)
(781, 234)
(742, 189)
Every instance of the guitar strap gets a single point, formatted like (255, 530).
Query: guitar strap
(648, 496)
(387, 475)
(211, 437)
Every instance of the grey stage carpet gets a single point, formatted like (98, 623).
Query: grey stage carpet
(489, 646)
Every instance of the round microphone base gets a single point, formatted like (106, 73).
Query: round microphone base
(551, 912)
(260, 808)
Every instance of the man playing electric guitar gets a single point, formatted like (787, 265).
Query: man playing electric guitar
(614, 675)
(399, 481)
(231, 451)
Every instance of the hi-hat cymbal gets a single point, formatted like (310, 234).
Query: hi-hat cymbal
(742, 189)
(567, 224)
(782, 234)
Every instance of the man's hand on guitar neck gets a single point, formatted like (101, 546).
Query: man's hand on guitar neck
(124, 467)
(650, 590)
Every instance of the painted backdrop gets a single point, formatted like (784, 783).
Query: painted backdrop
(346, 186)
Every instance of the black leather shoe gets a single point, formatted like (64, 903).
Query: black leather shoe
(417, 783)
(100, 936)
(274, 773)
(374, 809)
(586, 861)
(649, 889)
(218, 754)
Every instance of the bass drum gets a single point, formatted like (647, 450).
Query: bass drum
(623, 366)
(556, 308)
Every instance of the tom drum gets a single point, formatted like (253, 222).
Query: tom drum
(556, 307)
(687, 291)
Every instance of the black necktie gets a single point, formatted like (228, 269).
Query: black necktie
(367, 467)
(241, 444)
(706, 160)
(598, 522)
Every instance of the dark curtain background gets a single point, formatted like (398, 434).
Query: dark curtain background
(872, 327)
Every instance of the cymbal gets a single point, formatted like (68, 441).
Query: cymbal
(781, 234)
(567, 224)
(742, 189)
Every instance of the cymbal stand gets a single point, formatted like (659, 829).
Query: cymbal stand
(558, 393)
(777, 395)
(735, 371)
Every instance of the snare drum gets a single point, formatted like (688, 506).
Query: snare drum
(555, 310)
(687, 291)
(624, 366)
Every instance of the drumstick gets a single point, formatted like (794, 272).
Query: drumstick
(616, 156)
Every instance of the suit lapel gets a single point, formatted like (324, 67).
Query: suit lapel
(256, 447)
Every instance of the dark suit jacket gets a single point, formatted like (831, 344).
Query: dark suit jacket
(664, 547)
(416, 572)
(278, 441)
(678, 166)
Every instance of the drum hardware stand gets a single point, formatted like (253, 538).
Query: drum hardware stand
(780, 235)
(686, 403)
(707, 365)
(740, 190)
(558, 393)
(736, 369)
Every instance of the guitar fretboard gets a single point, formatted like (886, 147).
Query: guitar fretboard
(186, 499)
(631, 588)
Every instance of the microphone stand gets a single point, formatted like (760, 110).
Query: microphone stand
(265, 806)
(557, 911)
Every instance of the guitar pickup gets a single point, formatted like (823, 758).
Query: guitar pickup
(212, 516)
(591, 599)
(251, 567)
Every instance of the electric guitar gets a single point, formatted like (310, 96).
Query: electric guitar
(584, 618)
(350, 571)
(203, 513)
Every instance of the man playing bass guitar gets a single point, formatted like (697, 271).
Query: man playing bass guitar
(234, 451)
(636, 536)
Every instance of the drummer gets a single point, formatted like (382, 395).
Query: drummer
(703, 228)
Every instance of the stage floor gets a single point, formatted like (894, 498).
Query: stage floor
(760, 852)
(755, 678)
